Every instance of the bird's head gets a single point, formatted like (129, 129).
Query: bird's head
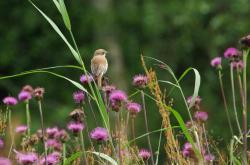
(100, 52)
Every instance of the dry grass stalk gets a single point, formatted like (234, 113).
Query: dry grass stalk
(172, 146)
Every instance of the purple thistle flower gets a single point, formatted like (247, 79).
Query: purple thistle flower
(117, 96)
(209, 157)
(99, 134)
(5, 161)
(245, 41)
(52, 131)
(140, 81)
(201, 116)
(28, 88)
(75, 127)
(196, 102)
(62, 136)
(144, 154)
(78, 96)
(187, 149)
(21, 129)
(10, 101)
(1, 144)
(189, 124)
(108, 88)
(24, 96)
(52, 143)
(85, 79)
(56, 155)
(52, 159)
(216, 62)
(231, 52)
(133, 107)
(26, 158)
(38, 93)
(237, 65)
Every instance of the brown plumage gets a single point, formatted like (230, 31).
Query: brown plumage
(99, 65)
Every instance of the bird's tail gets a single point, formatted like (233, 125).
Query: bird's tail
(99, 81)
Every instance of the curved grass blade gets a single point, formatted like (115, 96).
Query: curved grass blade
(78, 85)
(55, 27)
(155, 131)
(106, 157)
(168, 82)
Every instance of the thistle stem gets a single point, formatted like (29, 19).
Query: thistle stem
(133, 129)
(11, 132)
(83, 148)
(146, 125)
(43, 133)
(28, 118)
(64, 153)
(225, 101)
(91, 108)
(234, 99)
(245, 55)
(119, 136)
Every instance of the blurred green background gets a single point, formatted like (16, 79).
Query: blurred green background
(181, 33)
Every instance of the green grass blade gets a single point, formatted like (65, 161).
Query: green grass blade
(196, 84)
(55, 27)
(146, 134)
(168, 82)
(57, 5)
(72, 158)
(159, 146)
(65, 15)
(78, 85)
(185, 130)
(106, 157)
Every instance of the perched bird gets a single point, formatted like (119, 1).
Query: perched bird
(99, 65)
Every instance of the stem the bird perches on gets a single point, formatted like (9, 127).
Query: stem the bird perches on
(225, 101)
(146, 125)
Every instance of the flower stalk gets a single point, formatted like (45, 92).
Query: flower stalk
(234, 98)
(146, 125)
(225, 101)
(43, 131)
(28, 118)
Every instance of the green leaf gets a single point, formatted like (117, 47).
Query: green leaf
(106, 157)
(57, 5)
(55, 27)
(72, 158)
(65, 15)
(78, 85)
(196, 84)
(185, 130)
(155, 131)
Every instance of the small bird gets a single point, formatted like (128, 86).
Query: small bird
(99, 65)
